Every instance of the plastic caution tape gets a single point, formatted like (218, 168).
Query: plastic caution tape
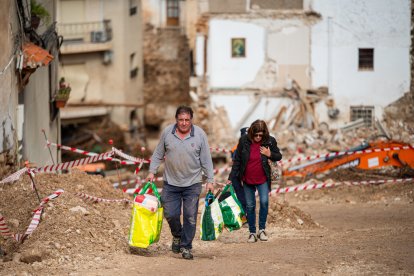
(71, 164)
(312, 186)
(5, 231)
(14, 177)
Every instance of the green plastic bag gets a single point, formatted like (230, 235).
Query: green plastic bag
(146, 225)
(231, 209)
(211, 219)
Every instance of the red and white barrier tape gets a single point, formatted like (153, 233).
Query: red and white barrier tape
(50, 197)
(5, 231)
(326, 155)
(339, 153)
(312, 186)
(59, 146)
(220, 150)
(14, 177)
(71, 164)
(88, 153)
(129, 157)
(136, 180)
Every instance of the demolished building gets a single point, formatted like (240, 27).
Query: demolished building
(301, 63)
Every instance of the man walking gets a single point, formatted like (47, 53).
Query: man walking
(187, 155)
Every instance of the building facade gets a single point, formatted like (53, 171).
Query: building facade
(28, 83)
(102, 59)
(361, 52)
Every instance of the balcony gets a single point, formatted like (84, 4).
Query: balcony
(86, 37)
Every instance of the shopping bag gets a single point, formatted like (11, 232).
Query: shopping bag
(211, 219)
(231, 209)
(146, 220)
(276, 171)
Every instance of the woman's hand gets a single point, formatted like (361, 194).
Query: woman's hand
(265, 151)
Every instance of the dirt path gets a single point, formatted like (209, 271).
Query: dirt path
(362, 230)
(363, 238)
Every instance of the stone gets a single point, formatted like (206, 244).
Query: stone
(31, 256)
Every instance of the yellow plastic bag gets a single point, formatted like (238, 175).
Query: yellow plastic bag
(145, 225)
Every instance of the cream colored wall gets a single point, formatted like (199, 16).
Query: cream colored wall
(290, 48)
(111, 82)
(37, 117)
(127, 39)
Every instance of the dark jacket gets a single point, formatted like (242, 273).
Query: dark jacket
(242, 155)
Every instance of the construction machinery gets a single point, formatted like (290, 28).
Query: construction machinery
(367, 156)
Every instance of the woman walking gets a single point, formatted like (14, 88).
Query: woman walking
(251, 166)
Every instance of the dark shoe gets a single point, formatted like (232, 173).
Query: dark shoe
(175, 246)
(186, 253)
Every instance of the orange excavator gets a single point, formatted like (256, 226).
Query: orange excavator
(367, 156)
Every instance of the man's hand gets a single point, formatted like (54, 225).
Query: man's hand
(228, 181)
(210, 187)
(150, 177)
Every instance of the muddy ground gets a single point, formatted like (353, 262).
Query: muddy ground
(339, 231)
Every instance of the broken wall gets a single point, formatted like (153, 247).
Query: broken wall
(276, 51)
(166, 70)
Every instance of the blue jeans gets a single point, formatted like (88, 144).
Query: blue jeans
(238, 188)
(249, 192)
(173, 198)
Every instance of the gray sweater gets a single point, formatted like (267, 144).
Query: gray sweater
(186, 159)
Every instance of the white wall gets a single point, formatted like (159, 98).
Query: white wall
(380, 24)
(225, 71)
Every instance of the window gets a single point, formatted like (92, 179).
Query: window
(363, 112)
(238, 47)
(366, 59)
(133, 67)
(132, 7)
(173, 12)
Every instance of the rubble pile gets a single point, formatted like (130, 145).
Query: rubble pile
(93, 136)
(397, 124)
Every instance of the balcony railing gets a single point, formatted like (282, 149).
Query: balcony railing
(86, 36)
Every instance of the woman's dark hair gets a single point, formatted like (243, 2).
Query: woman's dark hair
(258, 126)
(184, 109)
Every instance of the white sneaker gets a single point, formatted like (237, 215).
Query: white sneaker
(252, 238)
(262, 235)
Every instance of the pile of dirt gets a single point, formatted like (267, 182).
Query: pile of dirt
(71, 227)
(74, 231)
